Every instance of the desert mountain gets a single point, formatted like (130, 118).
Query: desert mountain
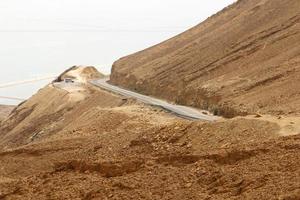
(243, 60)
(76, 141)
(73, 140)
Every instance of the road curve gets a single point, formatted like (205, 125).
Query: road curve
(181, 111)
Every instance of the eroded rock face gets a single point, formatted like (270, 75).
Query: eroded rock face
(242, 60)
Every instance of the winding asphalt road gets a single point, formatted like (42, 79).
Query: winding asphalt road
(181, 111)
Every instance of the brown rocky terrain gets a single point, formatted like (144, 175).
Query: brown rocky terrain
(104, 146)
(243, 60)
(5, 111)
(76, 141)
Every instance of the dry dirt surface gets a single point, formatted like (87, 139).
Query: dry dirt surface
(243, 60)
(5, 111)
(109, 147)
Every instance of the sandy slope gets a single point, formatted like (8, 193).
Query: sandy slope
(5, 111)
(242, 60)
(108, 147)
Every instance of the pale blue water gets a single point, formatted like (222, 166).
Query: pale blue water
(28, 55)
(42, 37)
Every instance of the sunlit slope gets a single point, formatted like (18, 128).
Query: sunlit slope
(245, 59)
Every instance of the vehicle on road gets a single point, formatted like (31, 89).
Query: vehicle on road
(68, 80)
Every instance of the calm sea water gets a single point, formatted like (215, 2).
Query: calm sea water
(42, 37)
(26, 55)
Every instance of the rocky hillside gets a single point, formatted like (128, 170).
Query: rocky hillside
(245, 59)
(86, 143)
(5, 111)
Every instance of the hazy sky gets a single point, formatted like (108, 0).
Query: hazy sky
(41, 37)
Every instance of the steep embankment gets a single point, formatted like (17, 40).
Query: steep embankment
(103, 146)
(5, 111)
(245, 59)
(54, 108)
